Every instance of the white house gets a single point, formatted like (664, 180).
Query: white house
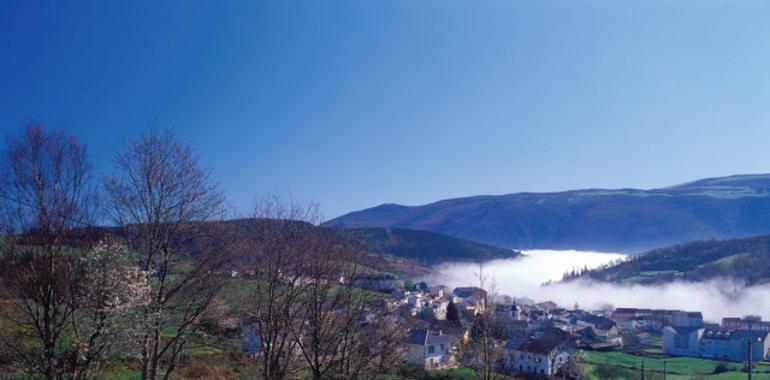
(439, 308)
(431, 349)
(682, 341)
(539, 356)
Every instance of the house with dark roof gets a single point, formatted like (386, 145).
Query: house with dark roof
(586, 337)
(541, 355)
(431, 349)
(605, 329)
(461, 331)
(518, 326)
(471, 298)
(590, 320)
(470, 291)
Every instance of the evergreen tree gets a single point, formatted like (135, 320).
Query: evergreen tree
(452, 314)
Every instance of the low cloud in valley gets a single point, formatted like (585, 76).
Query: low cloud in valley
(524, 278)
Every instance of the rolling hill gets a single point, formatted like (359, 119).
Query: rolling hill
(746, 260)
(427, 248)
(621, 220)
(402, 251)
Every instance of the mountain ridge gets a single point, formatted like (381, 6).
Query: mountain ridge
(618, 220)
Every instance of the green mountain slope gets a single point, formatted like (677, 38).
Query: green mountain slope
(746, 260)
(427, 248)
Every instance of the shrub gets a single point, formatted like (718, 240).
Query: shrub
(721, 368)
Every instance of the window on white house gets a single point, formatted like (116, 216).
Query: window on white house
(431, 349)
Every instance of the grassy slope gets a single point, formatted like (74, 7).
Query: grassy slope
(677, 367)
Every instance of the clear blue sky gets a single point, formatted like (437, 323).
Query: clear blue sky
(357, 103)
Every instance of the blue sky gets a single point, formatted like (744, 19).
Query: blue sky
(357, 103)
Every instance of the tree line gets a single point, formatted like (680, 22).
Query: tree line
(127, 267)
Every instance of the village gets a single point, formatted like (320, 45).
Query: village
(543, 339)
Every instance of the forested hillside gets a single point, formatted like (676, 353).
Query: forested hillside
(747, 260)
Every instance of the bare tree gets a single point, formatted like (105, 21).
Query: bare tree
(304, 307)
(373, 344)
(273, 240)
(484, 351)
(342, 331)
(328, 262)
(46, 194)
(159, 195)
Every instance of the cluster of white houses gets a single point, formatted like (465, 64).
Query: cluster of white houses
(543, 336)
(686, 334)
(540, 338)
(716, 342)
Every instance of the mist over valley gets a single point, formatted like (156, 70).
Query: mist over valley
(526, 277)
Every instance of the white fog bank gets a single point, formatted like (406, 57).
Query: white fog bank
(523, 277)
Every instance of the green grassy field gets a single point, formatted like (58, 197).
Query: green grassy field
(676, 367)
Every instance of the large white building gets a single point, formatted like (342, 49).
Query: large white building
(733, 345)
(538, 356)
(716, 344)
